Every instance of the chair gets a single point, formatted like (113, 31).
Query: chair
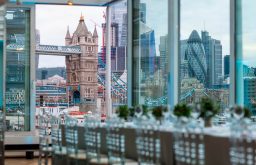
(148, 143)
(75, 155)
(189, 143)
(243, 143)
(2, 129)
(44, 140)
(58, 150)
(93, 141)
(116, 142)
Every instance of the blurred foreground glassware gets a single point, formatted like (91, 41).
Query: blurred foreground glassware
(238, 112)
(116, 141)
(148, 142)
(189, 143)
(167, 117)
(2, 130)
(44, 140)
(138, 111)
(59, 151)
(243, 143)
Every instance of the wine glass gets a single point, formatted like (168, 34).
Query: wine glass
(138, 111)
(196, 111)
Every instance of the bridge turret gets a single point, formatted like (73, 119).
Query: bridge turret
(68, 38)
(95, 36)
(95, 40)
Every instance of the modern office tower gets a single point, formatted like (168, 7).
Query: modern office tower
(213, 53)
(226, 65)
(121, 58)
(195, 55)
(114, 43)
(183, 70)
(124, 28)
(148, 51)
(118, 12)
(143, 12)
(82, 69)
(250, 93)
(114, 34)
(163, 49)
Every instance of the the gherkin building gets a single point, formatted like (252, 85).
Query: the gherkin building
(195, 55)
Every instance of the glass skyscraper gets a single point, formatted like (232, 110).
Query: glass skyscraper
(195, 55)
(213, 54)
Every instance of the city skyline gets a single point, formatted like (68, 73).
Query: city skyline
(53, 27)
(52, 35)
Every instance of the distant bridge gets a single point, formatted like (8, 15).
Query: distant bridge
(48, 49)
(118, 86)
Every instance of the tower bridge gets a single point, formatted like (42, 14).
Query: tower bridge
(83, 75)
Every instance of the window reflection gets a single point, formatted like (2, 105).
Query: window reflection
(17, 69)
(203, 46)
(150, 29)
(248, 47)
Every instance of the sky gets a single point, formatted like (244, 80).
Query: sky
(210, 15)
(52, 22)
(249, 33)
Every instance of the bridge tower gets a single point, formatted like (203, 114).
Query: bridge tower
(82, 69)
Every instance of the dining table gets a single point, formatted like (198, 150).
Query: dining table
(216, 143)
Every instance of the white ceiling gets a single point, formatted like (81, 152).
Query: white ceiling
(75, 2)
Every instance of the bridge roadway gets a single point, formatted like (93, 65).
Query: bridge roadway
(48, 49)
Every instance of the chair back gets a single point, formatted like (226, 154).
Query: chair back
(71, 135)
(2, 130)
(189, 143)
(115, 140)
(44, 131)
(56, 134)
(92, 137)
(243, 143)
(148, 142)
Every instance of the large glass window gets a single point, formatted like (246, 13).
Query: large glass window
(149, 61)
(245, 51)
(204, 44)
(18, 69)
(119, 53)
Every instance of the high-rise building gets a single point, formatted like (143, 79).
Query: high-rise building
(183, 61)
(143, 12)
(118, 12)
(226, 65)
(114, 34)
(250, 93)
(163, 49)
(213, 54)
(195, 55)
(148, 50)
